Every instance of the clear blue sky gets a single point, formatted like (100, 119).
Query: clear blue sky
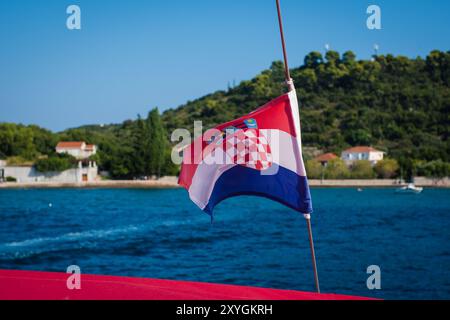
(132, 55)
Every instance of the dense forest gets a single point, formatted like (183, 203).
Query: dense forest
(394, 103)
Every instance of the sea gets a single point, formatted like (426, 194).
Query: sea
(160, 233)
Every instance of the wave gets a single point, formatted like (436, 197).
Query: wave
(72, 236)
(89, 239)
(69, 241)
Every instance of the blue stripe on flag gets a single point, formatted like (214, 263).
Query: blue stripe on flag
(285, 187)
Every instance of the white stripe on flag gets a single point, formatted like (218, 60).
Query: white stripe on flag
(284, 152)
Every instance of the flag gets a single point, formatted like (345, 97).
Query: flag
(258, 154)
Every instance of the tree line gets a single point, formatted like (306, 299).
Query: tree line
(134, 149)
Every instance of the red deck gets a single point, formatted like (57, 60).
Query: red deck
(32, 285)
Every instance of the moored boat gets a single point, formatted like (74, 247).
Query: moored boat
(409, 189)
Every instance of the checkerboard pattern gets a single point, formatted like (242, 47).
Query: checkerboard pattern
(249, 148)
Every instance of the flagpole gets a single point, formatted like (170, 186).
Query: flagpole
(313, 254)
(291, 87)
(287, 73)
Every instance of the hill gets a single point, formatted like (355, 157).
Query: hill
(397, 104)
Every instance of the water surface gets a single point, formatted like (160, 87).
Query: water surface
(253, 241)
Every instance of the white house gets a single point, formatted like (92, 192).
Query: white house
(29, 174)
(86, 170)
(362, 153)
(78, 149)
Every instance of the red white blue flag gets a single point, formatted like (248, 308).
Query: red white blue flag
(258, 154)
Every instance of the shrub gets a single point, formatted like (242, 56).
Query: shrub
(55, 163)
(336, 169)
(434, 169)
(10, 179)
(362, 169)
(18, 161)
(314, 169)
(386, 168)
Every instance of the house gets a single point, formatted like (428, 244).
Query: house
(85, 171)
(325, 158)
(362, 153)
(78, 149)
(81, 151)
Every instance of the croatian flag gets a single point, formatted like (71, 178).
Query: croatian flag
(258, 154)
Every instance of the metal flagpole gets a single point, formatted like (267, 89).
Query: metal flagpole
(290, 85)
(313, 254)
(287, 74)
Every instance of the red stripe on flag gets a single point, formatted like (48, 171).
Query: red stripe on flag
(275, 114)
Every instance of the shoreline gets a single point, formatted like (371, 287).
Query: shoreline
(171, 182)
(119, 184)
(164, 182)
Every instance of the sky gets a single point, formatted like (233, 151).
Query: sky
(133, 55)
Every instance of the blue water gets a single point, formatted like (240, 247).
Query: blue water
(253, 241)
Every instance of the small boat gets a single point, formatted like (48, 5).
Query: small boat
(410, 188)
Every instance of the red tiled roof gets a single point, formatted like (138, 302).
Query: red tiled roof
(361, 149)
(70, 145)
(326, 157)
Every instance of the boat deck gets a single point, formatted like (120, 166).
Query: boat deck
(33, 285)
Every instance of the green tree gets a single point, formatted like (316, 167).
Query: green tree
(169, 168)
(386, 168)
(314, 169)
(17, 140)
(348, 57)
(332, 57)
(362, 169)
(44, 141)
(158, 145)
(306, 79)
(57, 163)
(313, 59)
(336, 169)
(140, 147)
(434, 169)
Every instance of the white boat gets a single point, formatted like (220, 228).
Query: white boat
(410, 188)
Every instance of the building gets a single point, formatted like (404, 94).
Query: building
(78, 149)
(85, 171)
(325, 158)
(362, 153)
(29, 174)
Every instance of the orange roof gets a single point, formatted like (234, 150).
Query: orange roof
(361, 149)
(326, 157)
(70, 145)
